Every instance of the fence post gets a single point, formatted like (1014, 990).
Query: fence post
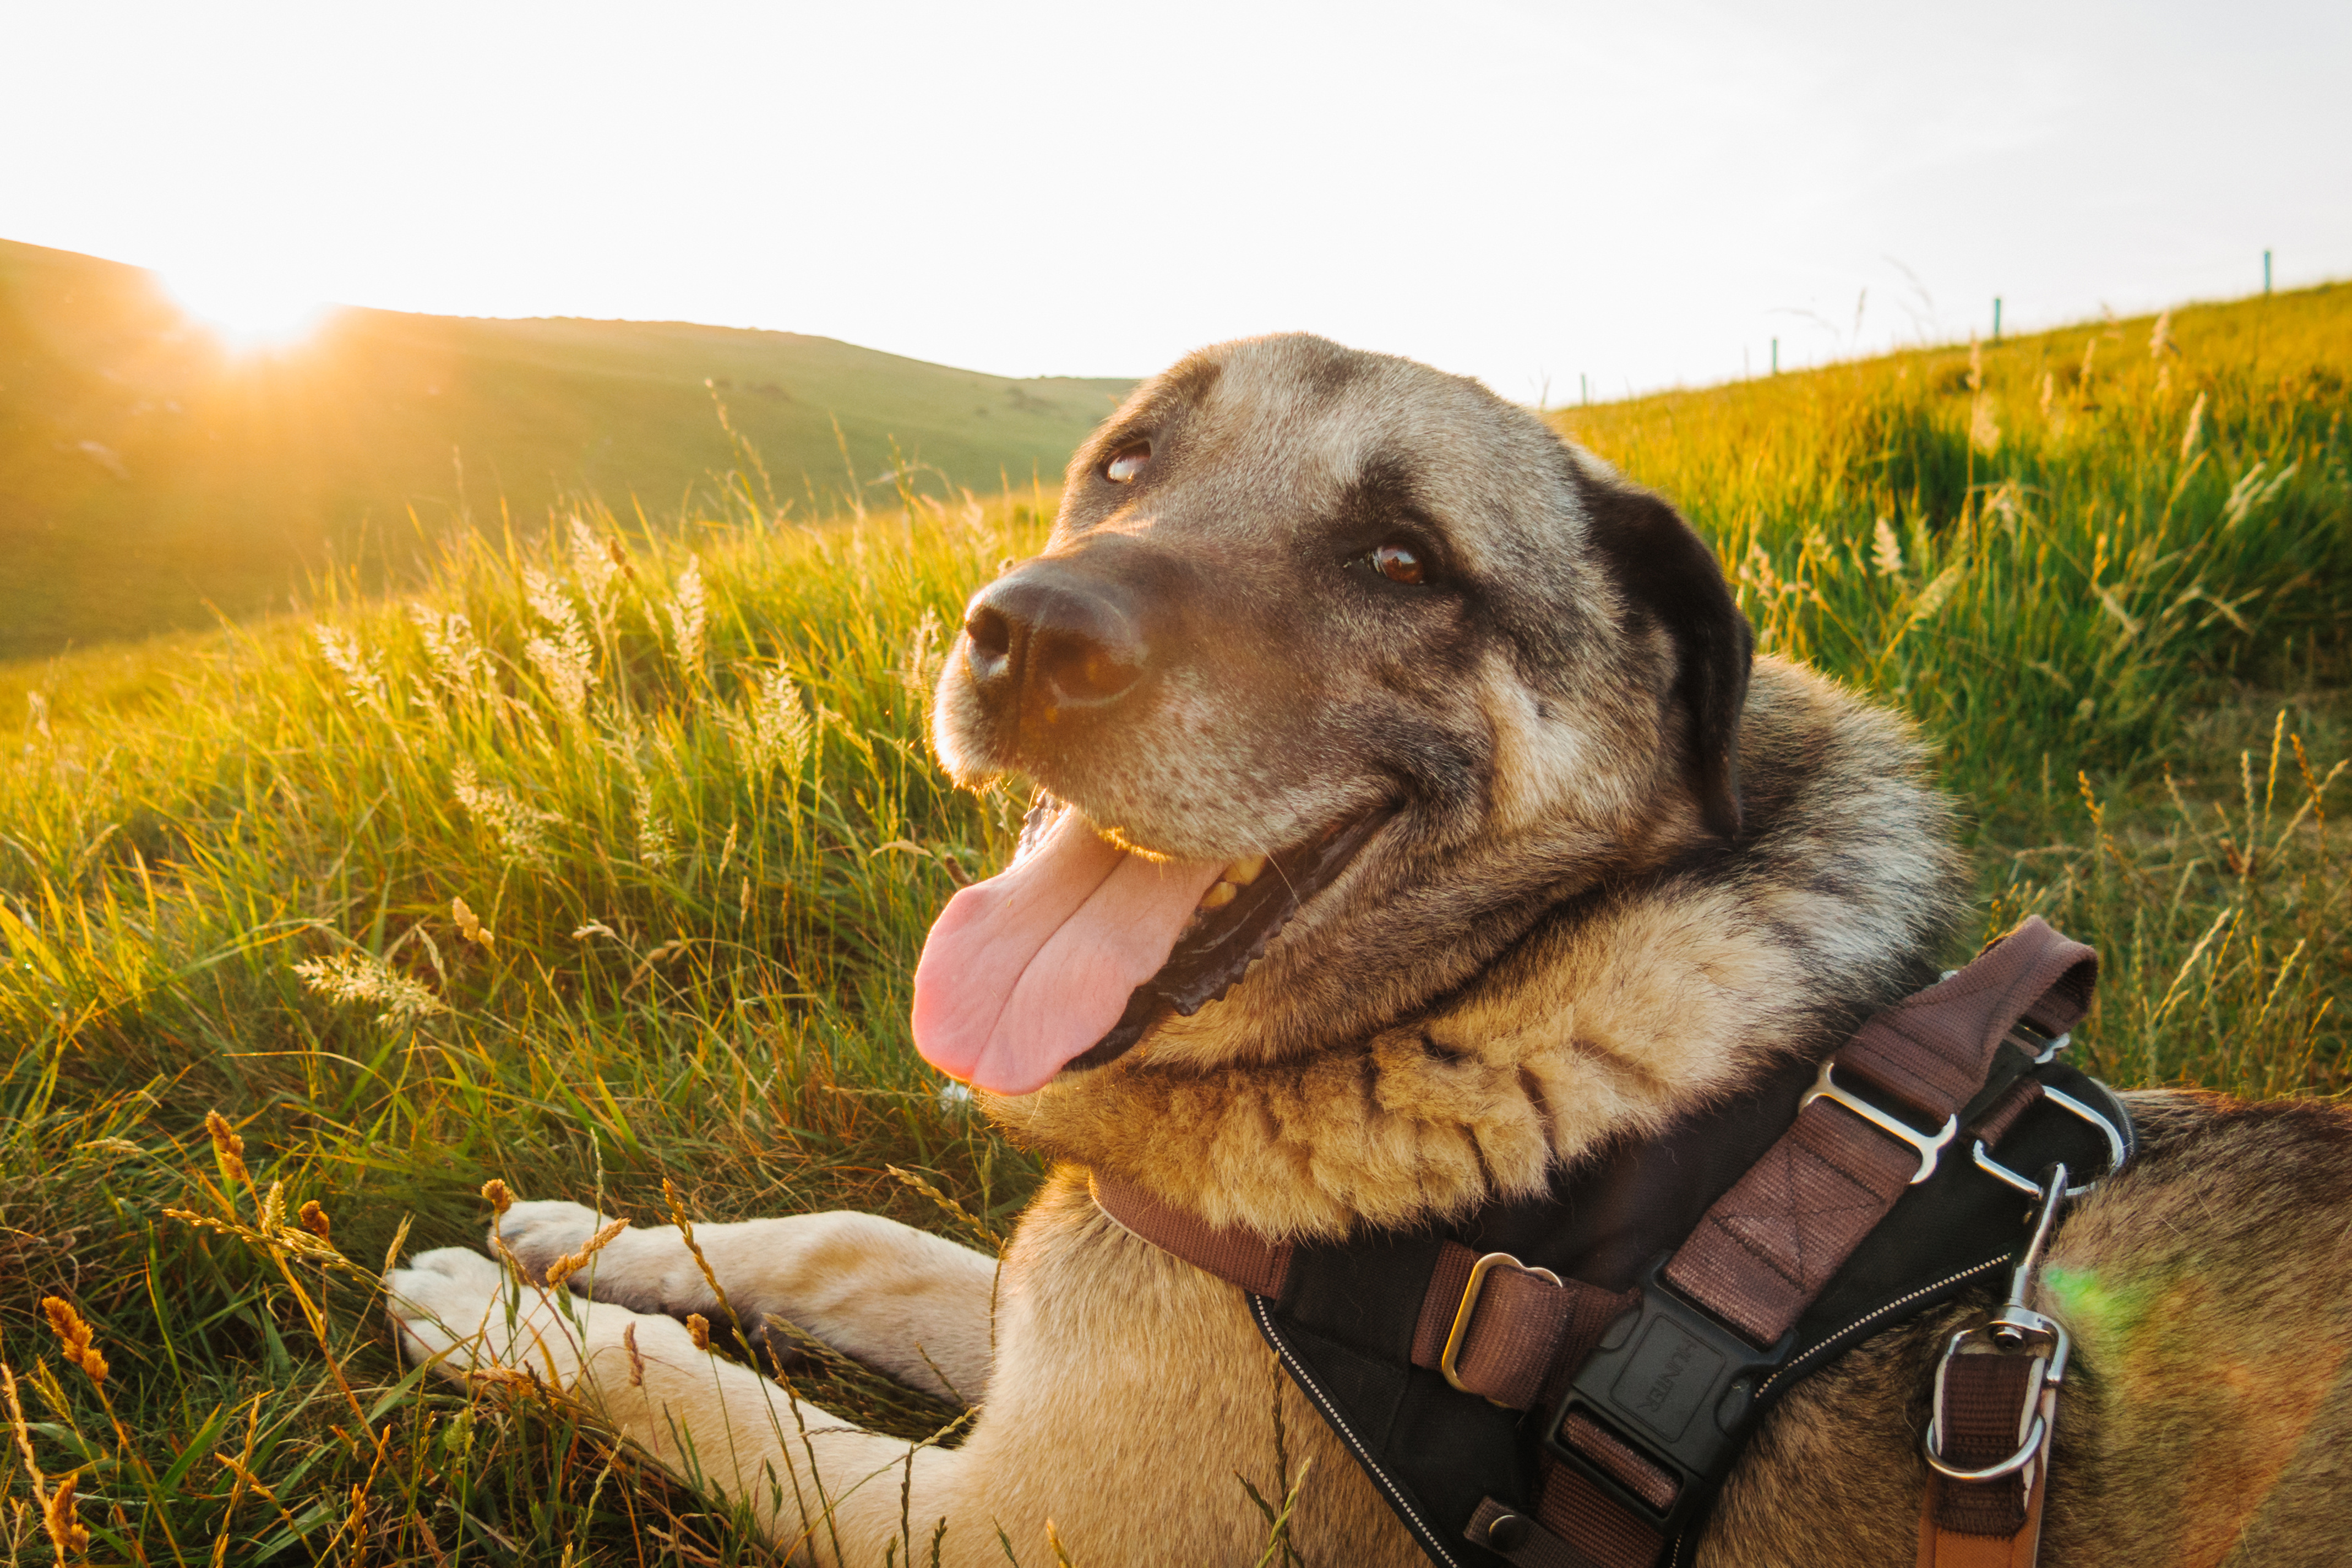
(1776, 356)
(2267, 271)
(1996, 318)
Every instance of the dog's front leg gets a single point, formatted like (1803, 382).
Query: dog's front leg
(903, 1301)
(825, 1490)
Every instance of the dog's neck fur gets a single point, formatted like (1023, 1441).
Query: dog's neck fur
(1627, 1007)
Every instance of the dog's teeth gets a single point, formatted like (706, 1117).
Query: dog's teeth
(1245, 871)
(1219, 896)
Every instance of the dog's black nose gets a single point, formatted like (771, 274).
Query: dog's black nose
(1047, 638)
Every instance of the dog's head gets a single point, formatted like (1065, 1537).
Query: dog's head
(1328, 654)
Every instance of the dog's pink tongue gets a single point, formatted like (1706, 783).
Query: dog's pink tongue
(1026, 970)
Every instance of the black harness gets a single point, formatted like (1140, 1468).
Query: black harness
(1344, 1322)
(1668, 1381)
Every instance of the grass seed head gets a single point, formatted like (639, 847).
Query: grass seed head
(470, 925)
(597, 565)
(1885, 551)
(63, 1522)
(565, 1267)
(460, 664)
(697, 1329)
(76, 1335)
(227, 1147)
(362, 979)
(689, 615)
(520, 830)
(314, 1219)
(566, 662)
(1984, 429)
(495, 1194)
(363, 677)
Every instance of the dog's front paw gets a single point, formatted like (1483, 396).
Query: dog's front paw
(466, 1311)
(540, 1231)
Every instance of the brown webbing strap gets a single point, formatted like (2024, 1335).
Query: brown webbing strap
(1524, 1327)
(1770, 1244)
(1985, 1413)
(1586, 1518)
(1239, 1257)
(1993, 1126)
(1512, 1535)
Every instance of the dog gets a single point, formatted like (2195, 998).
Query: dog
(1423, 762)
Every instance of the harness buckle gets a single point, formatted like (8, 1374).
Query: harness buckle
(1677, 1388)
(1928, 1145)
(1469, 1307)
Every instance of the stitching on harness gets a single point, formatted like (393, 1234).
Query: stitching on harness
(1795, 1365)
(1397, 1498)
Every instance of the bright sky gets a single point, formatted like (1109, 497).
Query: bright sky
(1642, 194)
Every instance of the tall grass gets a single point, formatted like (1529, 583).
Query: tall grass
(2049, 550)
(605, 861)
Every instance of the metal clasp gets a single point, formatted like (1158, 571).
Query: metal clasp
(2013, 1327)
(1462, 1314)
(1930, 1145)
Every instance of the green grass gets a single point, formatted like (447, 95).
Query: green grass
(150, 482)
(705, 843)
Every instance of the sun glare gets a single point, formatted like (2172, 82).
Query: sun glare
(246, 309)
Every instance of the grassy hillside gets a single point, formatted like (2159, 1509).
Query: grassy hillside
(696, 837)
(147, 476)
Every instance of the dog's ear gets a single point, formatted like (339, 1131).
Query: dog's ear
(1667, 572)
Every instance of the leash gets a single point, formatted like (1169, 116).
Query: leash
(1995, 1413)
(1651, 1392)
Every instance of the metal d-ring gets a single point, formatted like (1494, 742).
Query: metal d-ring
(2009, 1467)
(2067, 1103)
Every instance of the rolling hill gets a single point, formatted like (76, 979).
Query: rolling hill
(148, 478)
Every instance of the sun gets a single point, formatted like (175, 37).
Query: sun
(249, 308)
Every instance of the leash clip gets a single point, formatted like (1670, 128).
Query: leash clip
(2015, 1329)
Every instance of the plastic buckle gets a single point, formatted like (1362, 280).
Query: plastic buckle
(1929, 1145)
(1463, 1313)
(1676, 1385)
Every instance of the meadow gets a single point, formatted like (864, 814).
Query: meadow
(152, 478)
(600, 860)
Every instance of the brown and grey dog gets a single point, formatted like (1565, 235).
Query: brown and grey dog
(1422, 757)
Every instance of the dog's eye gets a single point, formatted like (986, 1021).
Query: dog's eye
(1127, 462)
(1399, 563)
